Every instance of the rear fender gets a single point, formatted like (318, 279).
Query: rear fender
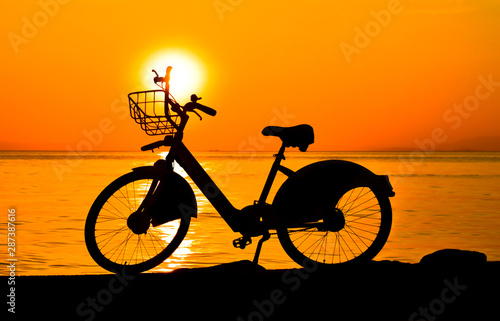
(314, 185)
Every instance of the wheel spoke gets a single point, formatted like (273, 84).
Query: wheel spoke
(112, 235)
(111, 251)
(347, 201)
(347, 244)
(360, 237)
(315, 244)
(116, 212)
(363, 230)
(363, 209)
(340, 247)
(362, 223)
(352, 203)
(305, 239)
(354, 200)
(367, 216)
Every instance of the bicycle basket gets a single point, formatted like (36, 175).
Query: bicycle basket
(149, 110)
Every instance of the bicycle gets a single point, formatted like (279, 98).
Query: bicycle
(330, 212)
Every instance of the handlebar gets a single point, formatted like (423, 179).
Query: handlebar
(190, 106)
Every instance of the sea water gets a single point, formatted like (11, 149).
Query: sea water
(443, 200)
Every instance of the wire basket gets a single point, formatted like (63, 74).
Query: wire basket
(149, 110)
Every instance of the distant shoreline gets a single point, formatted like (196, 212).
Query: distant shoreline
(393, 150)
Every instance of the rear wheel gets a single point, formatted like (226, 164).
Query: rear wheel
(351, 228)
(108, 235)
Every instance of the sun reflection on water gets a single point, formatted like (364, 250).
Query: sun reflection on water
(181, 254)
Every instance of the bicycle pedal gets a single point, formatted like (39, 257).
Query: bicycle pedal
(242, 242)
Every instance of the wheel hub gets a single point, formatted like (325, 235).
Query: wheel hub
(333, 220)
(138, 222)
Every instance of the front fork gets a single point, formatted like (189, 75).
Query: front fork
(164, 166)
(140, 220)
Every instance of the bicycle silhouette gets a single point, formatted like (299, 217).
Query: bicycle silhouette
(330, 212)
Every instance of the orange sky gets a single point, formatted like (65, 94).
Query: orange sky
(371, 76)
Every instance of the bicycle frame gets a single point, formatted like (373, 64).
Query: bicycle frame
(180, 153)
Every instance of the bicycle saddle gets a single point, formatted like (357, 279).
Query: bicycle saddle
(297, 136)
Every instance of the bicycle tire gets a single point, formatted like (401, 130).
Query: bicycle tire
(114, 249)
(359, 203)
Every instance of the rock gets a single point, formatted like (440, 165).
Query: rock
(453, 257)
(239, 267)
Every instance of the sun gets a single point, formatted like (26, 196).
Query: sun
(187, 76)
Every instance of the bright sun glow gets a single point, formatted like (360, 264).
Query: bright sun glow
(187, 76)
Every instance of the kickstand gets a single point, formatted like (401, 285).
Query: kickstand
(264, 238)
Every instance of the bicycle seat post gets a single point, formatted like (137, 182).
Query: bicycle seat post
(272, 175)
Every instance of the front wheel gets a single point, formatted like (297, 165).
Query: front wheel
(109, 239)
(351, 228)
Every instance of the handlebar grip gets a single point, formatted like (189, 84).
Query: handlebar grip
(191, 106)
(207, 110)
(154, 145)
(159, 79)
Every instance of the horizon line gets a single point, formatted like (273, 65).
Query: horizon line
(405, 150)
